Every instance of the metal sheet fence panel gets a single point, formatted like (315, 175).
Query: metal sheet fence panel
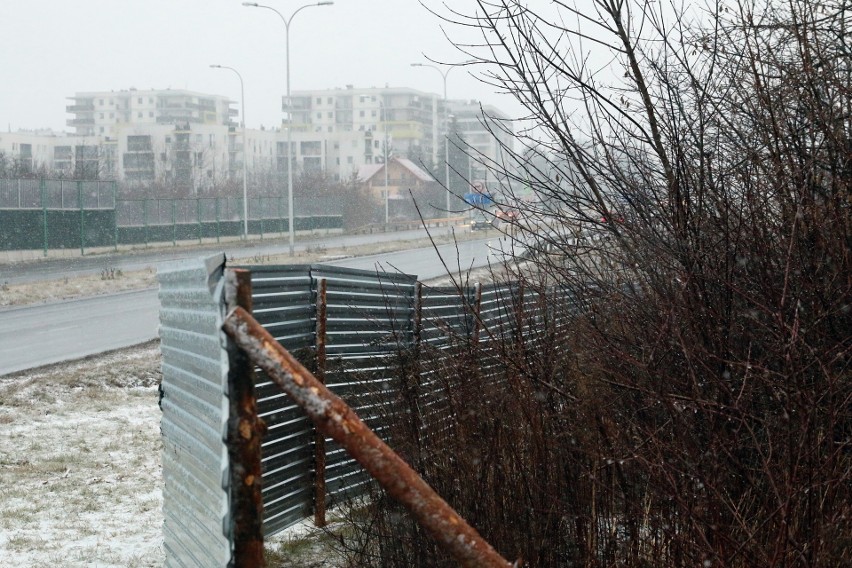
(281, 297)
(195, 412)
(370, 337)
(369, 320)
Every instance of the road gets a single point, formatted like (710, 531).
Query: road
(50, 333)
(23, 272)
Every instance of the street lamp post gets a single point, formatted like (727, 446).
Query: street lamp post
(446, 121)
(385, 127)
(245, 146)
(287, 22)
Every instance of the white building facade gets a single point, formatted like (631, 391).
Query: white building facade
(192, 140)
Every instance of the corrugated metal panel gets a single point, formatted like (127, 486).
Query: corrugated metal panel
(195, 413)
(369, 320)
(282, 303)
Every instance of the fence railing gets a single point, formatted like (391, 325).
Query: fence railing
(57, 194)
(61, 214)
(382, 342)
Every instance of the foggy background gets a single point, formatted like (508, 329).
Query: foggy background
(54, 48)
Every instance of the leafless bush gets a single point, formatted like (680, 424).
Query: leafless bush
(694, 200)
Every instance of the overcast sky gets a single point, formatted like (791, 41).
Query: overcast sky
(50, 49)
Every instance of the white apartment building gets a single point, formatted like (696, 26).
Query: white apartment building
(102, 113)
(340, 130)
(191, 139)
(484, 129)
(27, 151)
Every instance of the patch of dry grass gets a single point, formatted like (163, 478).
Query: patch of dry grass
(107, 282)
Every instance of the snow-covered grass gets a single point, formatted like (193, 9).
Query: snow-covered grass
(80, 471)
(80, 475)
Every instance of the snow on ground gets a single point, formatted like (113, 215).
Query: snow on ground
(80, 474)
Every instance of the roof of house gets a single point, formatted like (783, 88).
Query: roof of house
(367, 171)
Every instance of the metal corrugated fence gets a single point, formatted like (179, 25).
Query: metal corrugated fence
(391, 345)
(195, 413)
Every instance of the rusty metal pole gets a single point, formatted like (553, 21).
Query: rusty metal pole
(319, 440)
(477, 309)
(337, 420)
(245, 431)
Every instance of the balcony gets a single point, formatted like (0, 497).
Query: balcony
(87, 107)
(80, 121)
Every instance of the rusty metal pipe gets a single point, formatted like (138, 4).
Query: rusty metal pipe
(334, 418)
(245, 432)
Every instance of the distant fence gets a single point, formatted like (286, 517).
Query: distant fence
(65, 214)
(386, 339)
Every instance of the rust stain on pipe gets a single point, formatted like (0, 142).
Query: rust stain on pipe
(335, 419)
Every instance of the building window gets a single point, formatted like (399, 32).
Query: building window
(151, 114)
(373, 113)
(319, 100)
(361, 113)
(319, 115)
(139, 100)
(102, 129)
(349, 159)
(330, 129)
(112, 115)
(330, 114)
(101, 115)
(337, 161)
(101, 102)
(138, 143)
(168, 139)
(139, 115)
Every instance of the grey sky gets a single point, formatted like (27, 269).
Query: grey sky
(50, 49)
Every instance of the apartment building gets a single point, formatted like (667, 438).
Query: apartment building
(191, 139)
(26, 152)
(103, 113)
(341, 130)
(486, 130)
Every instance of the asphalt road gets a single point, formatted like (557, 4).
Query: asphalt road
(50, 333)
(45, 269)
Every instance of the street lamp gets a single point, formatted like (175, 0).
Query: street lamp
(289, 105)
(446, 121)
(385, 127)
(245, 146)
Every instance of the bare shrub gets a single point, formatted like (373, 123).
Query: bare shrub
(691, 405)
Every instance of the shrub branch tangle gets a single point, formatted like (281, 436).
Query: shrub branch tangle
(696, 410)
